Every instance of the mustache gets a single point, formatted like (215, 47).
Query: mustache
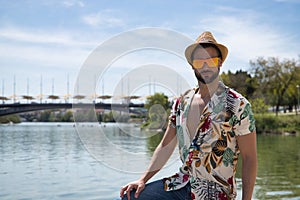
(205, 71)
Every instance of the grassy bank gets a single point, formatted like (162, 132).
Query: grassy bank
(281, 124)
(10, 119)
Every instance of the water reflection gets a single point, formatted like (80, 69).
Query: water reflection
(37, 161)
(278, 167)
(153, 141)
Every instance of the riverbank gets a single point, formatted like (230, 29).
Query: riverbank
(268, 123)
(285, 124)
(10, 119)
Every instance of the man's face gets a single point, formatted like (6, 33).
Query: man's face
(206, 74)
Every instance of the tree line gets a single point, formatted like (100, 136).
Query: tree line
(269, 83)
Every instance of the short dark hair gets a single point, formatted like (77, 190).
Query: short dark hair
(206, 45)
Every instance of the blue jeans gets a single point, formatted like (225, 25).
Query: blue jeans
(155, 191)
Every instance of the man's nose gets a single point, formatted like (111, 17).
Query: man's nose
(205, 65)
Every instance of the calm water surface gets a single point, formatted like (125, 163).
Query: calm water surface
(91, 161)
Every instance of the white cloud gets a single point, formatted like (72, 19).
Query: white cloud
(41, 37)
(71, 3)
(43, 56)
(102, 19)
(42, 48)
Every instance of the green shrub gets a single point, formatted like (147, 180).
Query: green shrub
(10, 118)
(269, 123)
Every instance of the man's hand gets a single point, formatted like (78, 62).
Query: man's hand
(139, 185)
(159, 158)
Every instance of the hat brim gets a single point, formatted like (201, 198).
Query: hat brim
(190, 49)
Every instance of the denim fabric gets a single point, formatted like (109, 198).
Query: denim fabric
(155, 191)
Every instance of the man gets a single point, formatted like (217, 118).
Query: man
(212, 125)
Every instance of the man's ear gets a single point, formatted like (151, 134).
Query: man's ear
(220, 62)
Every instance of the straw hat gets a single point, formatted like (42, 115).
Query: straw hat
(205, 38)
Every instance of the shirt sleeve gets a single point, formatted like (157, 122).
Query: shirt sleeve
(172, 117)
(244, 118)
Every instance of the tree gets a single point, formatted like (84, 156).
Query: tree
(44, 116)
(275, 77)
(241, 81)
(68, 116)
(258, 105)
(10, 119)
(157, 98)
(158, 108)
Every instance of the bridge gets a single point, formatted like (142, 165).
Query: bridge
(15, 108)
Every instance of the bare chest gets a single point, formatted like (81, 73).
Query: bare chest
(196, 109)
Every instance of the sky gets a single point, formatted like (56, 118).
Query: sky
(45, 44)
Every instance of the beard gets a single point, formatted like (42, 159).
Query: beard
(206, 80)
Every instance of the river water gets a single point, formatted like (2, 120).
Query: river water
(92, 161)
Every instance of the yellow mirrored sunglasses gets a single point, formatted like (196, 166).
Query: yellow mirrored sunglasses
(211, 62)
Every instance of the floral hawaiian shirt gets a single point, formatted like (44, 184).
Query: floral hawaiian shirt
(210, 158)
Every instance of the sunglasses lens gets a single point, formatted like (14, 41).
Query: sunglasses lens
(198, 64)
(211, 62)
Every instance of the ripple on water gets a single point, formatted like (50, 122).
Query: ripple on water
(279, 193)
